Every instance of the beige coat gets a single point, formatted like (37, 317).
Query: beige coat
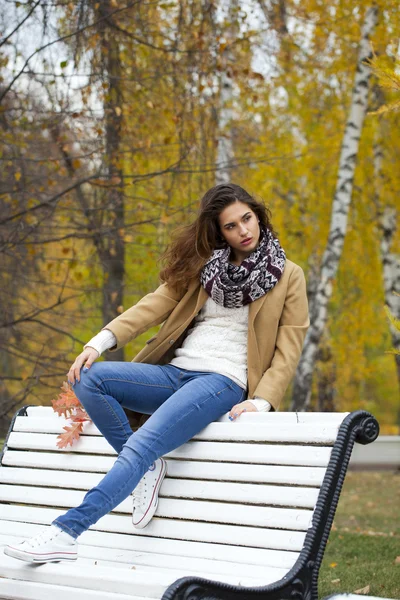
(278, 323)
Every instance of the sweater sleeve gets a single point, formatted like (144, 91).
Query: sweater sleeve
(104, 340)
(260, 404)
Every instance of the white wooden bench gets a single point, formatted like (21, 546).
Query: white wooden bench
(244, 512)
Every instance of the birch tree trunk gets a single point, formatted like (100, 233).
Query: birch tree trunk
(340, 208)
(225, 151)
(387, 217)
(391, 274)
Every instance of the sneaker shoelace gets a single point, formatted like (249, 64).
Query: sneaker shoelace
(139, 494)
(42, 537)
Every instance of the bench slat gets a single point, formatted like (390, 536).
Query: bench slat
(177, 469)
(175, 488)
(306, 476)
(12, 589)
(197, 450)
(256, 537)
(215, 512)
(58, 461)
(142, 547)
(84, 574)
(324, 433)
(276, 417)
(149, 561)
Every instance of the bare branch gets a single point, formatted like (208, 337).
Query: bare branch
(4, 40)
(37, 312)
(62, 39)
(48, 202)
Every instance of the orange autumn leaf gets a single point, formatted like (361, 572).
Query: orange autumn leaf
(67, 405)
(80, 415)
(66, 402)
(72, 433)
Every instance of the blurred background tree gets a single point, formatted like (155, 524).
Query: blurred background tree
(116, 118)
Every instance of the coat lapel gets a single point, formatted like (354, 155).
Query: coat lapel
(201, 299)
(254, 308)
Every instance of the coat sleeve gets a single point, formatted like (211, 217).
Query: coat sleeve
(151, 310)
(292, 330)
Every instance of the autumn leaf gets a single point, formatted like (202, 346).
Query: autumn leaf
(66, 402)
(72, 433)
(80, 415)
(333, 565)
(68, 406)
(164, 219)
(364, 590)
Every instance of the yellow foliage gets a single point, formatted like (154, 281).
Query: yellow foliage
(388, 77)
(287, 131)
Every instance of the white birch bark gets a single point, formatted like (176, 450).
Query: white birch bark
(225, 150)
(391, 274)
(340, 208)
(387, 218)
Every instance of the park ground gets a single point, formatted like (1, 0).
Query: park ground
(363, 551)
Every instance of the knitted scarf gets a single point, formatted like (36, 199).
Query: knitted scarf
(235, 286)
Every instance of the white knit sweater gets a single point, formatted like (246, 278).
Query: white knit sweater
(216, 343)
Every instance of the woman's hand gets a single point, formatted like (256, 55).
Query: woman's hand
(237, 410)
(88, 356)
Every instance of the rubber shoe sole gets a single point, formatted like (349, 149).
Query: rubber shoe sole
(38, 557)
(148, 515)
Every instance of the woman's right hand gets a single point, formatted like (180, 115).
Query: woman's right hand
(87, 357)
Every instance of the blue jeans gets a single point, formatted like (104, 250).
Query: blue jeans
(180, 403)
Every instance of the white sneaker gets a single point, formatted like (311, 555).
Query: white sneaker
(145, 494)
(50, 545)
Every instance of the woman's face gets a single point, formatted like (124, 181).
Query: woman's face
(240, 228)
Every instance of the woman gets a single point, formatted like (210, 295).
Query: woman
(235, 316)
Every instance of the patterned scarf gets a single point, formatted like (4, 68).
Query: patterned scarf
(233, 286)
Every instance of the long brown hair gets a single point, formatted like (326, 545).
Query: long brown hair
(193, 244)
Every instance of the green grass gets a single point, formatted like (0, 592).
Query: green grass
(365, 538)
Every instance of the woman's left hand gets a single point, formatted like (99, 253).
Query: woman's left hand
(237, 410)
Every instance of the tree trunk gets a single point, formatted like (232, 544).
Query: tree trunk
(340, 208)
(225, 151)
(387, 217)
(391, 274)
(113, 253)
(326, 380)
